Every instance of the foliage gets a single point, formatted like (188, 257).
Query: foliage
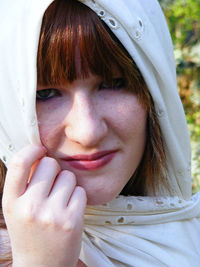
(183, 20)
(183, 17)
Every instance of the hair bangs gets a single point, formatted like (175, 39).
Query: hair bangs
(73, 46)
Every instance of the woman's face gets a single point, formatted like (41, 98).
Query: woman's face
(95, 130)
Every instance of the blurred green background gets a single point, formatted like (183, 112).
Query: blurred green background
(183, 17)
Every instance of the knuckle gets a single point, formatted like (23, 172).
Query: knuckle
(47, 221)
(70, 227)
(29, 213)
(70, 175)
(52, 162)
(28, 217)
(81, 190)
(50, 220)
(82, 193)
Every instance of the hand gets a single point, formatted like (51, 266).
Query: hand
(44, 217)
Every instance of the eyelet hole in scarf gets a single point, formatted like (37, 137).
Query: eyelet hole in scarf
(10, 147)
(140, 23)
(120, 220)
(140, 199)
(112, 22)
(101, 13)
(137, 34)
(159, 202)
(160, 112)
(129, 207)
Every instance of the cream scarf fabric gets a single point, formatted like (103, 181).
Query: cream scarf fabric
(129, 231)
(143, 231)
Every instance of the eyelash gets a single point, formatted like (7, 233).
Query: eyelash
(52, 93)
(116, 84)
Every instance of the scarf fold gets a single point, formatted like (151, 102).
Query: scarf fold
(143, 231)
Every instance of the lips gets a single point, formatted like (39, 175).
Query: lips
(90, 162)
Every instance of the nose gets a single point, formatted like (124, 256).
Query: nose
(85, 123)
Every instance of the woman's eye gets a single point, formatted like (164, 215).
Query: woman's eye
(115, 84)
(46, 94)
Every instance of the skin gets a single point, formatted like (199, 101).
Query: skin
(45, 217)
(90, 117)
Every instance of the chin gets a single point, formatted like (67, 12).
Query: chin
(99, 198)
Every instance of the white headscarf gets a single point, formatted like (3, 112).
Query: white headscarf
(129, 231)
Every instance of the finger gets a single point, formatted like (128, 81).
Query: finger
(43, 178)
(77, 204)
(19, 170)
(63, 188)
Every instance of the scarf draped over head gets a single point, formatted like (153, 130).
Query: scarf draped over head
(128, 231)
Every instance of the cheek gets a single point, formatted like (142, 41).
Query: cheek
(129, 118)
(49, 135)
(50, 125)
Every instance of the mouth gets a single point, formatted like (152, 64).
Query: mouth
(90, 162)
